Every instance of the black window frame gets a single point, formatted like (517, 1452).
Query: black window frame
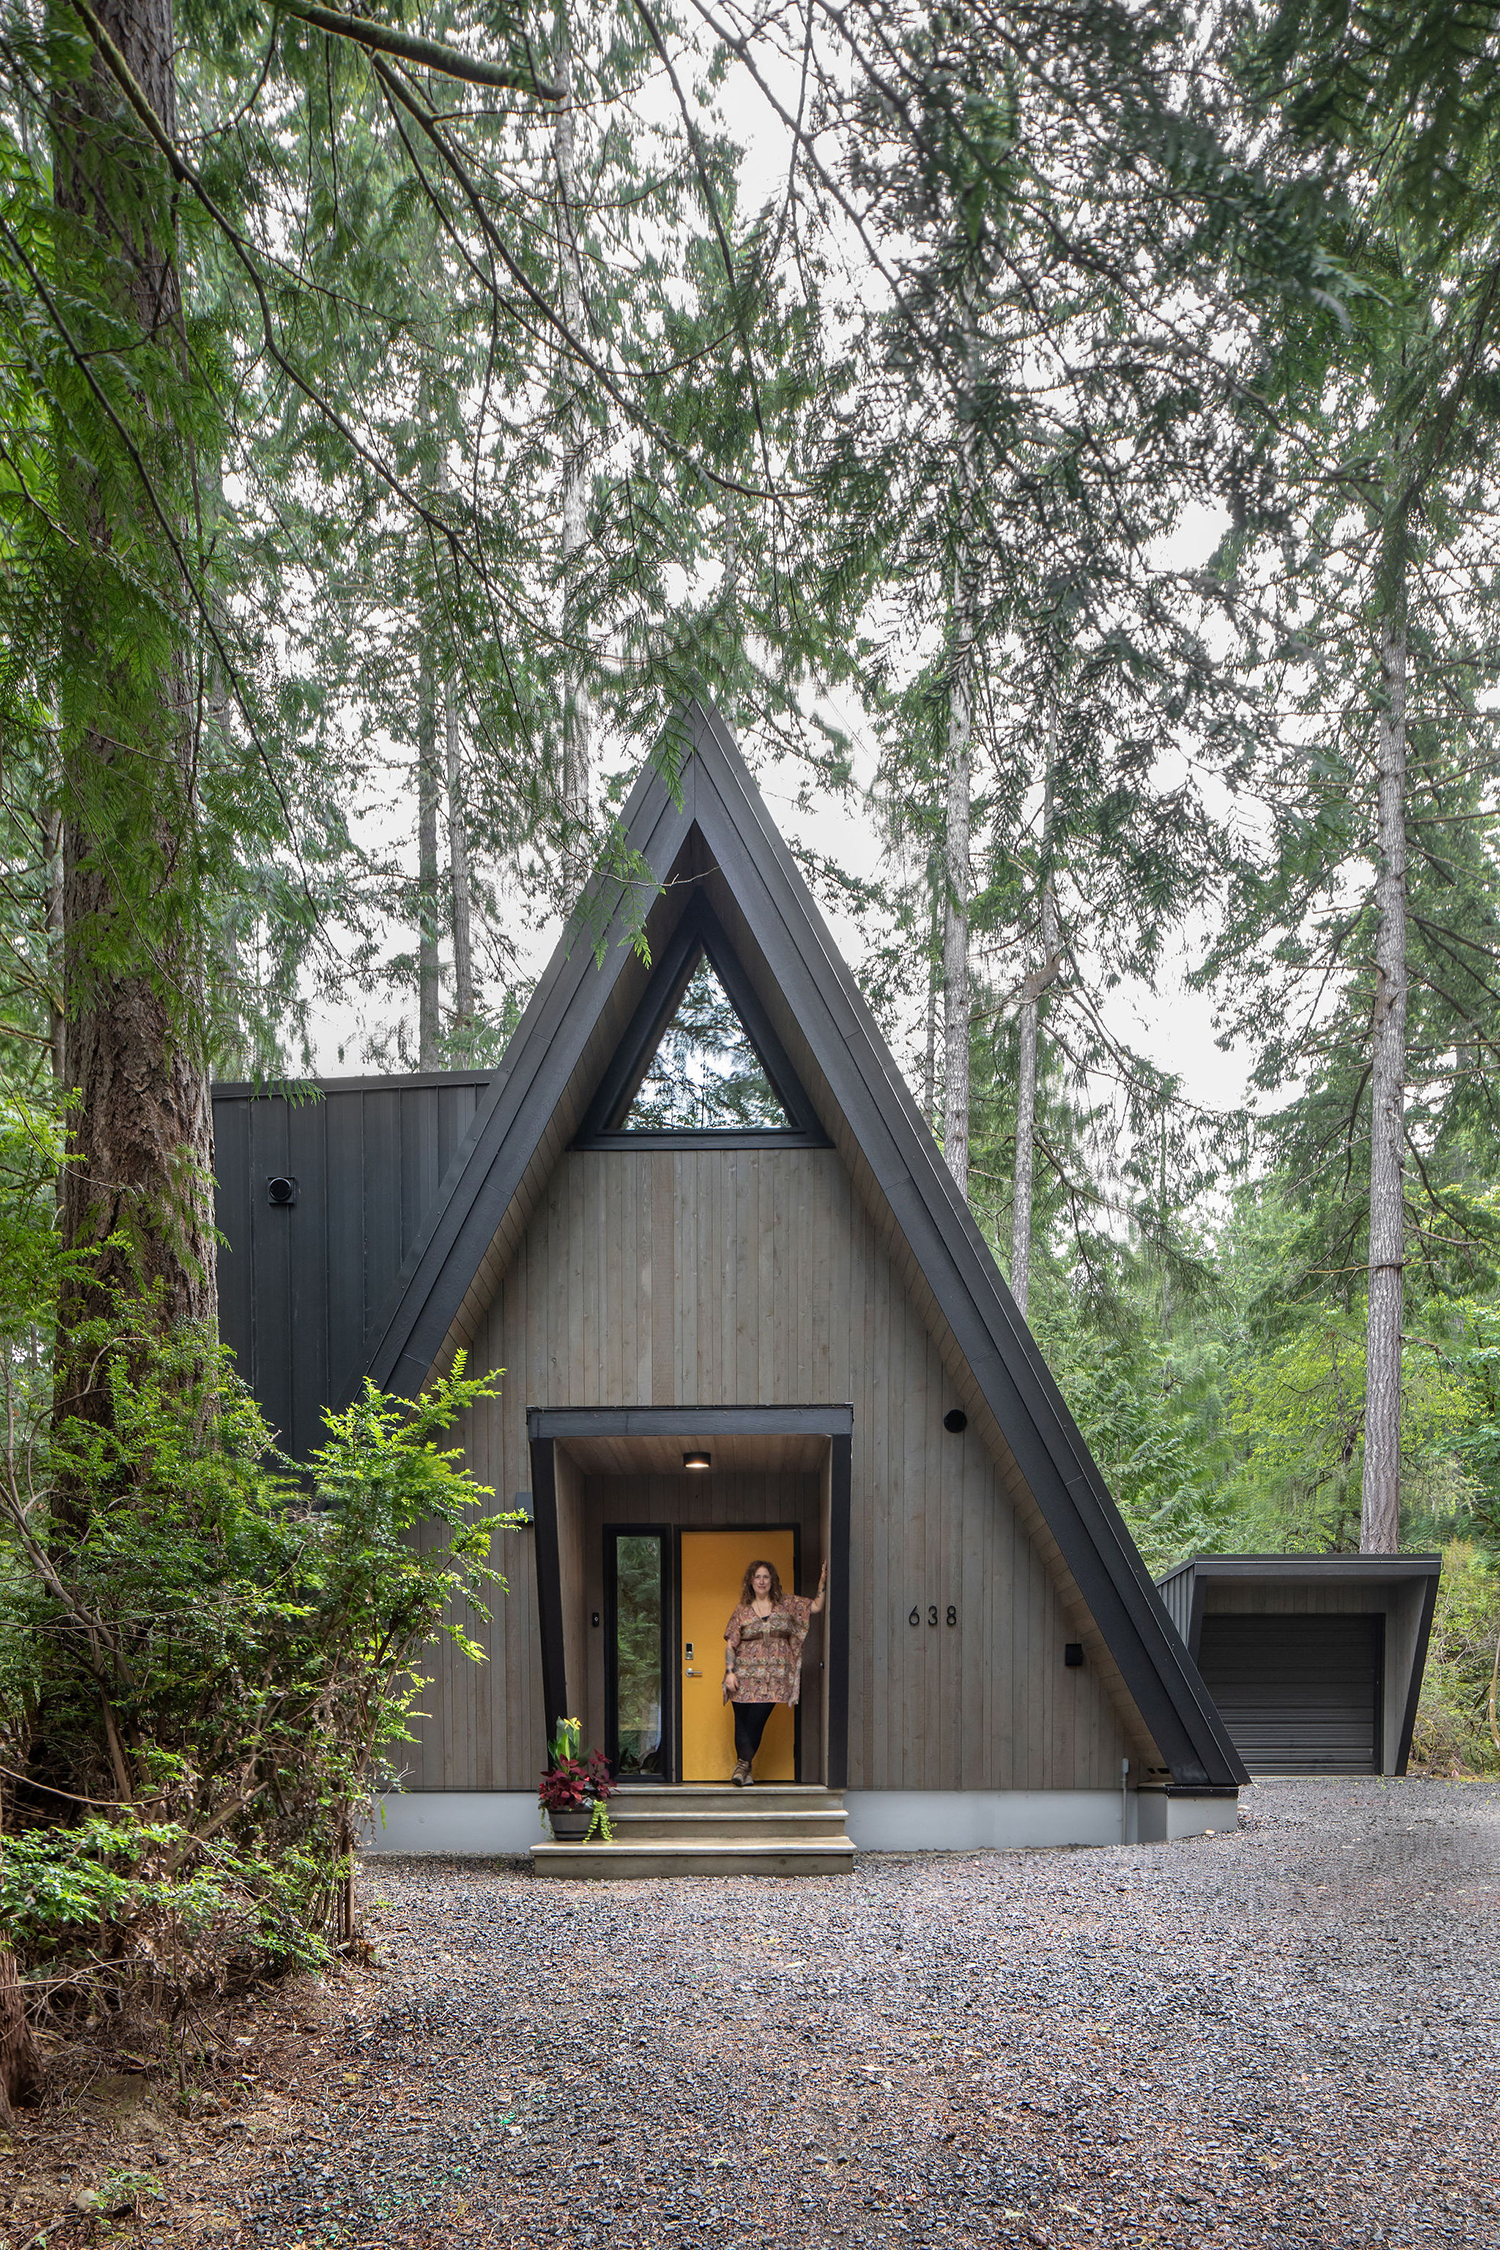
(698, 936)
(662, 1534)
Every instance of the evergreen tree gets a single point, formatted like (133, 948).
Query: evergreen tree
(1366, 931)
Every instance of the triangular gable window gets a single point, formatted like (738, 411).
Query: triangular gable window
(706, 1075)
(700, 1061)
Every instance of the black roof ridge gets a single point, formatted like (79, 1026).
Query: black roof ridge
(292, 1083)
(1299, 1555)
(715, 792)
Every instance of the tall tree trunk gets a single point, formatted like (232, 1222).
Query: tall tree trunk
(20, 2057)
(956, 906)
(1035, 985)
(459, 881)
(956, 883)
(460, 886)
(934, 990)
(731, 595)
(139, 1191)
(1381, 1498)
(577, 707)
(429, 1027)
(52, 848)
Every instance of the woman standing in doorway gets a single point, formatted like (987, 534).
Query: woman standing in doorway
(763, 1656)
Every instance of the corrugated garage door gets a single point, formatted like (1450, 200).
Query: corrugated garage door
(1298, 1694)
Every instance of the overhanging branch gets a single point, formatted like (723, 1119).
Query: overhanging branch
(426, 54)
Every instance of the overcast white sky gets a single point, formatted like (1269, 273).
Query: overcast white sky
(1170, 1024)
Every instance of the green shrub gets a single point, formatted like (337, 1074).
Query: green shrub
(206, 1658)
(1453, 1728)
(149, 1903)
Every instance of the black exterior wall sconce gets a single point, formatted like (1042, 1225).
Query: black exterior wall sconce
(955, 1421)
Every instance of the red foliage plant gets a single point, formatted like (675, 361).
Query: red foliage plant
(571, 1783)
(573, 1780)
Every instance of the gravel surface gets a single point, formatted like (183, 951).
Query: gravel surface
(1287, 2034)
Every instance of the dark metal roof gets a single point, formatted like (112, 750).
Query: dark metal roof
(1329, 1568)
(301, 1283)
(716, 796)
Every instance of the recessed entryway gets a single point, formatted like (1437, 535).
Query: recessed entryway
(640, 1564)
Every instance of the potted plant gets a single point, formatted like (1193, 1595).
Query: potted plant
(575, 1788)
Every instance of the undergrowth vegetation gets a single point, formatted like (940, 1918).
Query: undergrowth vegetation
(207, 1655)
(1457, 1717)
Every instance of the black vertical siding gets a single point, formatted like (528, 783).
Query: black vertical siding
(1176, 1590)
(300, 1288)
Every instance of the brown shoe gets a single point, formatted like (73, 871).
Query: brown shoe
(741, 1773)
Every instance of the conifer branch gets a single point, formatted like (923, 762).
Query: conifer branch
(426, 54)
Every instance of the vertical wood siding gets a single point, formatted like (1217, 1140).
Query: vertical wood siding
(299, 1287)
(756, 1276)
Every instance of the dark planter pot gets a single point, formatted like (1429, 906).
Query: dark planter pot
(571, 1827)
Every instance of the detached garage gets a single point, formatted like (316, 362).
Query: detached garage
(1315, 1661)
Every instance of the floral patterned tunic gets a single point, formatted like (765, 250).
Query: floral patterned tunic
(765, 1653)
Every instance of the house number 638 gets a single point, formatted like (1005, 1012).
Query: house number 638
(932, 1614)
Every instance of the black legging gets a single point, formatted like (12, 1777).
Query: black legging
(749, 1725)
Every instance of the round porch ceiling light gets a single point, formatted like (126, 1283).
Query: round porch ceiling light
(697, 1460)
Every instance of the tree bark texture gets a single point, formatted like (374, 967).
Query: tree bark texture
(956, 910)
(429, 1027)
(1381, 1497)
(1028, 1045)
(142, 1136)
(934, 985)
(459, 881)
(577, 705)
(52, 848)
(20, 2057)
(956, 872)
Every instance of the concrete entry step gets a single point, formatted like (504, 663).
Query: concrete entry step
(713, 1796)
(637, 1827)
(711, 1829)
(618, 1862)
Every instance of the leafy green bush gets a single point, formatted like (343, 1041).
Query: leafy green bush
(149, 1903)
(1453, 1724)
(224, 1656)
(206, 1653)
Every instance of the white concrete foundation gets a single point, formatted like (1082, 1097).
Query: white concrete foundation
(1164, 1819)
(964, 1820)
(485, 1822)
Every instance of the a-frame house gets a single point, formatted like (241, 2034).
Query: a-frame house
(740, 1311)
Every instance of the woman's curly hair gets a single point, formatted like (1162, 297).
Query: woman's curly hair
(747, 1590)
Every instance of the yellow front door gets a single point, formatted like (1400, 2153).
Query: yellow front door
(713, 1567)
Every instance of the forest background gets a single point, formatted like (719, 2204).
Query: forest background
(1061, 439)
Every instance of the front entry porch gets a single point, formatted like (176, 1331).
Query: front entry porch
(770, 1829)
(646, 1520)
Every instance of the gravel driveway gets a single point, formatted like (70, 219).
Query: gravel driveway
(1288, 2034)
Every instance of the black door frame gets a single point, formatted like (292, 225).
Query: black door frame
(670, 1701)
(546, 1425)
